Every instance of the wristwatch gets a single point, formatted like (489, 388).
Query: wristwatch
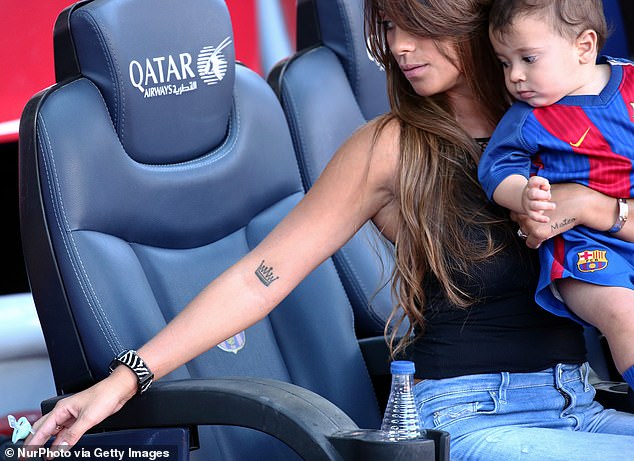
(623, 215)
(135, 363)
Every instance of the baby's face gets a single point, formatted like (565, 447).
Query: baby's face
(540, 65)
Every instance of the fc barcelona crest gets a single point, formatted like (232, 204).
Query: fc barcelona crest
(591, 260)
(234, 344)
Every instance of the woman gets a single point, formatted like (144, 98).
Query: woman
(413, 172)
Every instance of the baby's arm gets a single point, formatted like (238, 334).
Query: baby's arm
(526, 196)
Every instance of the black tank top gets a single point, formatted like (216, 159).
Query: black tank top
(505, 330)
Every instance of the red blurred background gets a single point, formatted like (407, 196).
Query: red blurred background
(26, 49)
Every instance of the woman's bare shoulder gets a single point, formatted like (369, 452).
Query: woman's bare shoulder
(375, 141)
(365, 166)
(384, 151)
(383, 131)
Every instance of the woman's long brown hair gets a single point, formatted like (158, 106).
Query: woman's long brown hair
(438, 192)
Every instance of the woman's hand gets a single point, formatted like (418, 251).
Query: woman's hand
(575, 205)
(75, 415)
(532, 231)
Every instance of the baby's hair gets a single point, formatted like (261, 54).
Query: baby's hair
(568, 18)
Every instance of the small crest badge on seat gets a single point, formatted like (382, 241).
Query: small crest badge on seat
(234, 344)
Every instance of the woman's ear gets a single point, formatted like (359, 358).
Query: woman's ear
(586, 44)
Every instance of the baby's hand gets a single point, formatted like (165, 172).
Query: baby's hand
(536, 199)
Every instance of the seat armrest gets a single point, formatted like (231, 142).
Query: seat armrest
(296, 416)
(369, 445)
(308, 423)
(615, 395)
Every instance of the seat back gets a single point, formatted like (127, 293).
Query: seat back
(328, 89)
(617, 42)
(150, 167)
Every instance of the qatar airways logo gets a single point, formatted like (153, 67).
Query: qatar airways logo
(179, 74)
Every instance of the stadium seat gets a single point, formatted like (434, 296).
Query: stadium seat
(617, 44)
(328, 88)
(152, 165)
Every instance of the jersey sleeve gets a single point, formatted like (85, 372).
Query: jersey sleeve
(507, 152)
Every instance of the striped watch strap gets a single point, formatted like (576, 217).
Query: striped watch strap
(135, 363)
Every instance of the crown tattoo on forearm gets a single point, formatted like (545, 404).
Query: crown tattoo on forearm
(265, 274)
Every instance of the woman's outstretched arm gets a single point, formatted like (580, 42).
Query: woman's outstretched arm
(353, 188)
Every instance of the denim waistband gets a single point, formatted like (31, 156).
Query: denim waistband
(557, 377)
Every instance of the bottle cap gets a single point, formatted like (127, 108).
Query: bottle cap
(402, 367)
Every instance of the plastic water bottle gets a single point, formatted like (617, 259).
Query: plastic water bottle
(401, 420)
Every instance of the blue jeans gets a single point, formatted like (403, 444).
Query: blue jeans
(541, 416)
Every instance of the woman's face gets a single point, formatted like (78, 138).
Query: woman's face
(429, 70)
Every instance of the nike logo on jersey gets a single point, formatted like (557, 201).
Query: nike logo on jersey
(578, 143)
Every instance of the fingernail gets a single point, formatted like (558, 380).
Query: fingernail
(64, 446)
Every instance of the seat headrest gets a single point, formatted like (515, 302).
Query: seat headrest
(341, 24)
(166, 71)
